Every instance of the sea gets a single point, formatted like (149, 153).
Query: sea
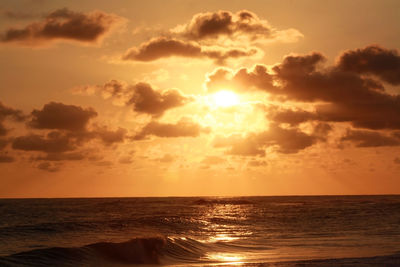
(201, 231)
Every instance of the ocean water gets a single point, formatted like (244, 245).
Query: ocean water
(194, 231)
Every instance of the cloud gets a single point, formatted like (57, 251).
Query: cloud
(337, 95)
(242, 80)
(64, 145)
(218, 36)
(6, 159)
(239, 26)
(62, 117)
(370, 138)
(163, 47)
(62, 156)
(141, 96)
(396, 160)
(257, 163)
(375, 60)
(254, 144)
(69, 131)
(53, 142)
(290, 116)
(109, 137)
(147, 100)
(347, 96)
(66, 131)
(8, 112)
(64, 24)
(3, 143)
(183, 128)
(47, 166)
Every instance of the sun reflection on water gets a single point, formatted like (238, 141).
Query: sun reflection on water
(223, 237)
(221, 231)
(229, 258)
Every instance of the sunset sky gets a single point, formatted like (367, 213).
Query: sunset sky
(182, 98)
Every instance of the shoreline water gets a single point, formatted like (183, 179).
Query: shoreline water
(252, 231)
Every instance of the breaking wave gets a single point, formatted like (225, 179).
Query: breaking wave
(154, 250)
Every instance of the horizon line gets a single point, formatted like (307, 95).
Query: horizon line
(204, 196)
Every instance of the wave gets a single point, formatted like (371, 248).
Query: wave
(166, 251)
(154, 250)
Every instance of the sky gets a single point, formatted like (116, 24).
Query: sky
(199, 98)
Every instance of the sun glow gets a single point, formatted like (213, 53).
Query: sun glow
(225, 98)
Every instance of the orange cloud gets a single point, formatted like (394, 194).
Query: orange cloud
(70, 133)
(348, 96)
(183, 128)
(7, 112)
(375, 60)
(141, 96)
(64, 24)
(163, 47)
(370, 138)
(4, 158)
(60, 116)
(254, 144)
(54, 142)
(235, 26)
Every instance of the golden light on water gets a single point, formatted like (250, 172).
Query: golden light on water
(232, 259)
(225, 98)
(223, 237)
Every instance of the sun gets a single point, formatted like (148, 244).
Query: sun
(225, 98)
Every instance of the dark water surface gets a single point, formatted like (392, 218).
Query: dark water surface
(250, 231)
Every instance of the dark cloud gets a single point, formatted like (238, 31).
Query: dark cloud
(243, 80)
(290, 116)
(53, 142)
(218, 36)
(63, 145)
(47, 166)
(6, 159)
(256, 163)
(63, 24)
(147, 100)
(294, 117)
(62, 156)
(375, 60)
(9, 113)
(183, 128)
(370, 138)
(69, 132)
(66, 132)
(254, 144)
(109, 137)
(396, 160)
(165, 47)
(294, 65)
(3, 143)
(141, 96)
(234, 26)
(60, 116)
(321, 130)
(338, 95)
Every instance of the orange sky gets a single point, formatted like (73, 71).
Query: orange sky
(144, 98)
